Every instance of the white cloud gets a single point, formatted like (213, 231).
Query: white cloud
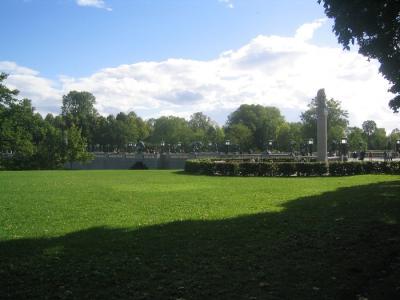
(43, 93)
(306, 31)
(93, 3)
(285, 72)
(229, 3)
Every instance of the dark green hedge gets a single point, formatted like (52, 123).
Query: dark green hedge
(236, 168)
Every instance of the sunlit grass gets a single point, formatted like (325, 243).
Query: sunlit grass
(147, 234)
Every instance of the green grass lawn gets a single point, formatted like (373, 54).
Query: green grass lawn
(166, 235)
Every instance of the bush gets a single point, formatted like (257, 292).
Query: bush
(227, 168)
(285, 169)
(203, 167)
(234, 168)
(249, 169)
(312, 169)
(267, 169)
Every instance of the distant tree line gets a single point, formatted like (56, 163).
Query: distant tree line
(29, 141)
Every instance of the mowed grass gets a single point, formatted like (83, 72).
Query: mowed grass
(166, 235)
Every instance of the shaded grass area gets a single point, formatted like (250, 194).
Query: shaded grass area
(159, 235)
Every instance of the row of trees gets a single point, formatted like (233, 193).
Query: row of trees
(46, 143)
(33, 142)
(250, 127)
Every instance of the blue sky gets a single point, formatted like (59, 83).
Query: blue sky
(162, 57)
(60, 37)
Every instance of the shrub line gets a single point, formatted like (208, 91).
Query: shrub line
(277, 169)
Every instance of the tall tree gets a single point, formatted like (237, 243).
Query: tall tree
(76, 146)
(356, 139)
(379, 139)
(369, 127)
(375, 26)
(78, 109)
(240, 135)
(171, 130)
(204, 128)
(7, 96)
(289, 136)
(337, 120)
(50, 149)
(262, 121)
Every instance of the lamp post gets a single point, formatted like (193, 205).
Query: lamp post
(162, 146)
(343, 146)
(398, 146)
(310, 146)
(130, 147)
(179, 147)
(270, 145)
(227, 144)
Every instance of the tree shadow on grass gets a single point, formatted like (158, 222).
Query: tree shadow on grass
(333, 246)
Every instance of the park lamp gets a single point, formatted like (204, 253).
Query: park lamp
(398, 145)
(270, 142)
(162, 146)
(227, 143)
(310, 145)
(179, 144)
(343, 141)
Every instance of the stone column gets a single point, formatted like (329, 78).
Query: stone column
(322, 127)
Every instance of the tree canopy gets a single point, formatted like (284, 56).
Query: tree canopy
(375, 26)
(262, 121)
(337, 120)
(29, 141)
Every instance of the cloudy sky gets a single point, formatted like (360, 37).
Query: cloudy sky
(177, 57)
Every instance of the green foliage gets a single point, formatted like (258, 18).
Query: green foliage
(50, 150)
(369, 127)
(76, 146)
(262, 122)
(374, 26)
(78, 109)
(249, 169)
(212, 167)
(35, 143)
(337, 121)
(356, 139)
(7, 96)
(312, 169)
(241, 135)
(360, 168)
(231, 168)
(285, 169)
(20, 133)
(171, 130)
